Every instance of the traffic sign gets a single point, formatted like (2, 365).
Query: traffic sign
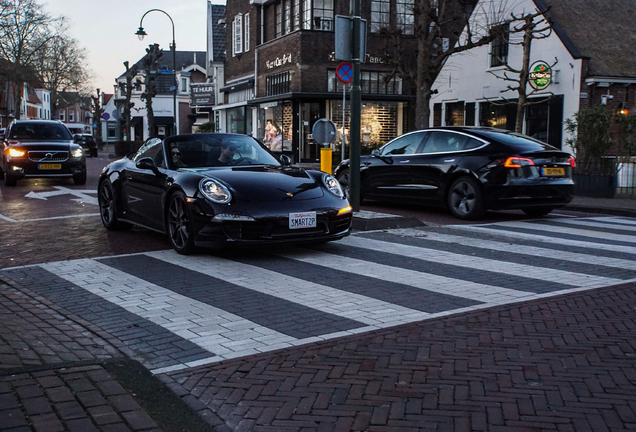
(324, 131)
(105, 116)
(344, 72)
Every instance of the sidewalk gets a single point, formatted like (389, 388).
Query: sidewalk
(565, 363)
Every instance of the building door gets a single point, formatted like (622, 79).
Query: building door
(310, 112)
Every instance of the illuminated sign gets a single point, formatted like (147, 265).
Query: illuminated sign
(540, 75)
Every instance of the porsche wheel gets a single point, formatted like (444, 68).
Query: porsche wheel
(465, 199)
(108, 208)
(179, 224)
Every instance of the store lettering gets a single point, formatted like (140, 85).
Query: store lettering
(287, 58)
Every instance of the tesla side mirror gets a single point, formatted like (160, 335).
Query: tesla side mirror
(285, 160)
(147, 164)
(375, 152)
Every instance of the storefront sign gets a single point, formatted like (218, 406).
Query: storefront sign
(201, 95)
(287, 58)
(540, 75)
(268, 104)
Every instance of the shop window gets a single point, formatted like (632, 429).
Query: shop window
(455, 114)
(279, 83)
(276, 126)
(499, 48)
(406, 16)
(380, 14)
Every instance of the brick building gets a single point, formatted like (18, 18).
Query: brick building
(280, 73)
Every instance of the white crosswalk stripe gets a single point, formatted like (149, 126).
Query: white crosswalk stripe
(226, 335)
(478, 263)
(375, 313)
(517, 249)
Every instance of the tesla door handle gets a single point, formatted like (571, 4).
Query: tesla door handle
(449, 160)
(128, 177)
(406, 161)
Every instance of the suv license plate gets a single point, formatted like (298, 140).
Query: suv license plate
(302, 220)
(553, 171)
(50, 166)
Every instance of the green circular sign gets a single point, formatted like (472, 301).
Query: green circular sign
(540, 75)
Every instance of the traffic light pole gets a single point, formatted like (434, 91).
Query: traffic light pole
(356, 102)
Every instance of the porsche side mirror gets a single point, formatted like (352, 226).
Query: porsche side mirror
(285, 160)
(147, 164)
(375, 152)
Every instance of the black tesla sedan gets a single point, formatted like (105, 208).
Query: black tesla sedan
(40, 148)
(211, 190)
(467, 169)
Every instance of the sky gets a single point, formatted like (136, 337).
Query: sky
(106, 30)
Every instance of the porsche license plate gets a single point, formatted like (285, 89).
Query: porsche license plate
(50, 166)
(302, 220)
(553, 171)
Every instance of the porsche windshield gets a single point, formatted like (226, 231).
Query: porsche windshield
(210, 150)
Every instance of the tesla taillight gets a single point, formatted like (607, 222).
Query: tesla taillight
(517, 162)
(572, 162)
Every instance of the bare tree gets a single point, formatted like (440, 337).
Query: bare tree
(126, 89)
(59, 64)
(441, 28)
(24, 29)
(98, 110)
(153, 53)
(530, 27)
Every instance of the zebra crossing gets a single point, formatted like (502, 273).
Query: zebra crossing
(172, 312)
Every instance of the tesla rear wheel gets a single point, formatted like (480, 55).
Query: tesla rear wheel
(108, 207)
(537, 211)
(465, 199)
(180, 227)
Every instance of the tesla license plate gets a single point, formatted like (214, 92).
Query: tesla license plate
(50, 166)
(553, 171)
(302, 220)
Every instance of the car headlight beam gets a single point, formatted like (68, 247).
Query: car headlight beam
(333, 185)
(77, 153)
(215, 191)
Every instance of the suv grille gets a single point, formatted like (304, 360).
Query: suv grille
(48, 156)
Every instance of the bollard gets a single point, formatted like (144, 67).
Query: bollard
(325, 160)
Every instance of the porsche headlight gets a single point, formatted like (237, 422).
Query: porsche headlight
(215, 191)
(77, 153)
(15, 152)
(333, 185)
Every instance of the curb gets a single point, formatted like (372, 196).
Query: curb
(602, 210)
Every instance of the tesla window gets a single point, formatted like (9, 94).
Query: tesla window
(405, 145)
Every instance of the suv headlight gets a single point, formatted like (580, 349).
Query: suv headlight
(77, 153)
(16, 153)
(333, 185)
(215, 191)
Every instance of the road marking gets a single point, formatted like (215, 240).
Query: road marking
(8, 219)
(61, 190)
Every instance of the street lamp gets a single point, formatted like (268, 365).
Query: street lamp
(141, 33)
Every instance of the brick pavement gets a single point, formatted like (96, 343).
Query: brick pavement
(567, 363)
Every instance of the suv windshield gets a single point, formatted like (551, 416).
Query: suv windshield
(40, 131)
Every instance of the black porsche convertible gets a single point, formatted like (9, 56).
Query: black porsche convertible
(213, 190)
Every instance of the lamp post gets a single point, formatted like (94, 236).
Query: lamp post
(141, 33)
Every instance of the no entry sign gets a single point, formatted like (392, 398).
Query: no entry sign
(344, 72)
